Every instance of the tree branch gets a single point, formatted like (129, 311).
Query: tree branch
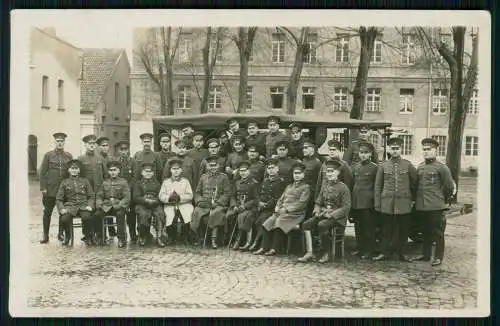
(176, 45)
(289, 32)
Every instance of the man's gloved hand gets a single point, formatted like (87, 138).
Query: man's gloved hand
(174, 198)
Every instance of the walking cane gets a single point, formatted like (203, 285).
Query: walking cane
(242, 202)
(214, 193)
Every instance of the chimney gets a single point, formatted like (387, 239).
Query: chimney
(50, 30)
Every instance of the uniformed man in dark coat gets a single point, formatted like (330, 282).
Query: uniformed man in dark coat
(127, 171)
(211, 199)
(351, 155)
(224, 143)
(148, 206)
(52, 171)
(395, 188)
(255, 138)
(75, 197)
(289, 212)
(296, 141)
(113, 198)
(197, 153)
(187, 135)
(243, 205)
(238, 155)
(165, 152)
(331, 210)
(103, 150)
(345, 176)
(233, 129)
(257, 167)
(213, 150)
(273, 136)
(284, 161)
(94, 166)
(187, 163)
(435, 187)
(313, 166)
(270, 191)
(147, 155)
(362, 213)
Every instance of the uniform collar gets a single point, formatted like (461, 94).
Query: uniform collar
(90, 153)
(59, 150)
(398, 159)
(365, 162)
(430, 160)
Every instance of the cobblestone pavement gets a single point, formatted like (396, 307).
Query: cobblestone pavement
(187, 277)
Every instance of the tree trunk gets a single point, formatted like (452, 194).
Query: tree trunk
(294, 81)
(207, 82)
(161, 86)
(167, 58)
(243, 85)
(244, 42)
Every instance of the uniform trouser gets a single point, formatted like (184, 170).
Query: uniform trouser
(86, 216)
(120, 221)
(48, 207)
(434, 226)
(132, 222)
(365, 225)
(394, 233)
(273, 239)
(145, 215)
(323, 225)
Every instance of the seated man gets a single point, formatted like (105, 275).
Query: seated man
(147, 205)
(176, 195)
(113, 198)
(270, 191)
(75, 197)
(289, 212)
(331, 210)
(211, 199)
(243, 205)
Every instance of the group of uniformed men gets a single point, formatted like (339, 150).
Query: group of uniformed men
(249, 187)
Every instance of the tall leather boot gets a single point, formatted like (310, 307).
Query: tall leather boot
(214, 237)
(309, 248)
(326, 246)
(142, 236)
(46, 225)
(60, 235)
(249, 241)
(67, 235)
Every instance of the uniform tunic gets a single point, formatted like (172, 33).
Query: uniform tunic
(221, 160)
(334, 201)
(148, 188)
(270, 192)
(197, 155)
(257, 170)
(364, 184)
(105, 158)
(285, 168)
(395, 186)
(211, 198)
(165, 157)
(246, 194)
(345, 176)
(351, 155)
(313, 166)
(53, 170)
(127, 168)
(294, 200)
(232, 162)
(435, 186)
(259, 141)
(75, 193)
(296, 149)
(94, 169)
(116, 188)
(271, 139)
(148, 156)
(187, 169)
(183, 188)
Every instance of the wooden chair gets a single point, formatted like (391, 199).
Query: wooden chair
(108, 221)
(338, 236)
(77, 223)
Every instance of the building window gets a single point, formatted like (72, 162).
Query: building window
(185, 50)
(374, 139)
(115, 134)
(440, 101)
(277, 98)
(308, 98)
(250, 57)
(339, 136)
(408, 52)
(213, 46)
(340, 99)
(342, 49)
(249, 98)
(377, 52)
(310, 48)
(60, 95)
(128, 95)
(117, 95)
(474, 103)
(373, 99)
(45, 92)
(184, 97)
(406, 100)
(441, 150)
(471, 146)
(215, 98)
(407, 144)
(278, 47)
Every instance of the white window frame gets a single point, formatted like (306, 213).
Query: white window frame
(308, 91)
(407, 147)
(441, 139)
(471, 146)
(473, 107)
(439, 101)
(374, 138)
(340, 99)
(215, 98)
(373, 99)
(342, 46)
(60, 95)
(277, 90)
(249, 98)
(311, 42)
(278, 48)
(406, 102)
(45, 92)
(185, 50)
(377, 47)
(409, 50)
(184, 97)
(218, 55)
(339, 136)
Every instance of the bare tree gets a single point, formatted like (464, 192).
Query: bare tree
(209, 53)
(157, 54)
(244, 42)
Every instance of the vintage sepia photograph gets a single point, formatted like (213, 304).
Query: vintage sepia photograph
(250, 163)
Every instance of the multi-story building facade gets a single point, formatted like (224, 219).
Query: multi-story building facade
(55, 74)
(106, 94)
(402, 87)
